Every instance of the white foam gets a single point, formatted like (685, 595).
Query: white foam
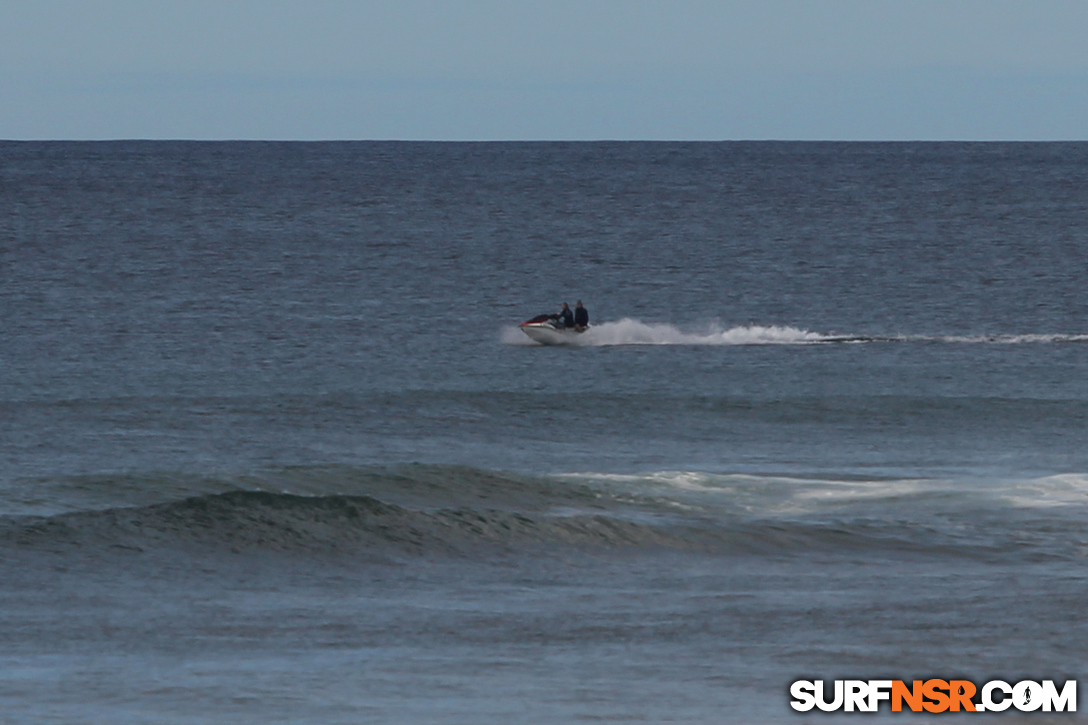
(786, 495)
(635, 332)
(1069, 489)
(765, 494)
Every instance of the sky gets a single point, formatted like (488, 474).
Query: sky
(545, 69)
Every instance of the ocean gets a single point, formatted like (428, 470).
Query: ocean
(274, 449)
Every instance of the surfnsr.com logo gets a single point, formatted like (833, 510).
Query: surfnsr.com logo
(933, 696)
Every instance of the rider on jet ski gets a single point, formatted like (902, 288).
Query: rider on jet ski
(565, 315)
(581, 317)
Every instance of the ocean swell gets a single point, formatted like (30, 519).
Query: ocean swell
(440, 510)
(247, 520)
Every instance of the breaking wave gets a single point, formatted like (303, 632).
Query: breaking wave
(449, 510)
(629, 331)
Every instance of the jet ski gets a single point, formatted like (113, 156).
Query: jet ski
(547, 330)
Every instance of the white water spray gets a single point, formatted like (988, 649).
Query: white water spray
(635, 332)
(629, 331)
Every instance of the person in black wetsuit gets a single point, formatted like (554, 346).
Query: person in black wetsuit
(565, 316)
(581, 317)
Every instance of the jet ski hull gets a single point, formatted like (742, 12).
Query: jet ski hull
(548, 334)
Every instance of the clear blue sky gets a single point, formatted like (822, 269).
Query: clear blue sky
(544, 69)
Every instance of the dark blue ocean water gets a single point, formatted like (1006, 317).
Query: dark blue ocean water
(272, 447)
